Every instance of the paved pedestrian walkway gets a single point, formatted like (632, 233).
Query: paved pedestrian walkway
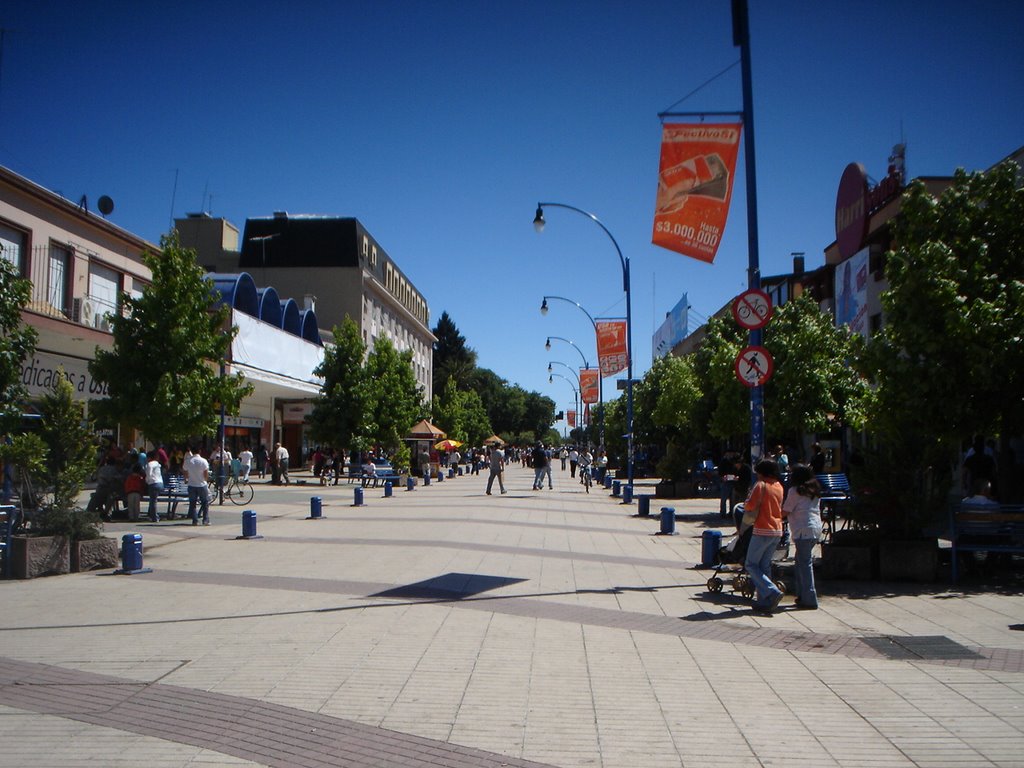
(444, 627)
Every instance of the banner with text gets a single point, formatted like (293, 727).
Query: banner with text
(612, 350)
(570, 416)
(698, 163)
(588, 385)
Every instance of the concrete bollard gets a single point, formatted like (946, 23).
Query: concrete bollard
(426, 479)
(643, 505)
(316, 508)
(460, 471)
(451, 472)
(607, 481)
(249, 525)
(627, 494)
(616, 486)
(357, 497)
(440, 476)
(668, 521)
(710, 544)
(389, 489)
(410, 483)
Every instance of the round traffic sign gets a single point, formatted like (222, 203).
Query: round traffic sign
(754, 366)
(752, 309)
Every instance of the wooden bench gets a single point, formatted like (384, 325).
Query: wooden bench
(978, 528)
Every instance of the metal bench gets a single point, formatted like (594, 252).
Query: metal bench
(175, 491)
(835, 499)
(976, 528)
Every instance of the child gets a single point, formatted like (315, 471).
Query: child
(802, 509)
(134, 486)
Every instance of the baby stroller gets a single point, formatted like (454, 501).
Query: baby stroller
(731, 556)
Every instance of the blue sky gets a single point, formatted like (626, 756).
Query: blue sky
(440, 125)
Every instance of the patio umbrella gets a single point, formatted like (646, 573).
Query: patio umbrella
(447, 445)
(494, 440)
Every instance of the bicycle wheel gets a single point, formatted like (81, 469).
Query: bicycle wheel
(240, 493)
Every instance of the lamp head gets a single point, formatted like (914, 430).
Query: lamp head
(550, 369)
(544, 307)
(551, 379)
(547, 345)
(538, 220)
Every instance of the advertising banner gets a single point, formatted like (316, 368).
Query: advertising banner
(612, 350)
(698, 163)
(851, 286)
(570, 416)
(588, 385)
(673, 330)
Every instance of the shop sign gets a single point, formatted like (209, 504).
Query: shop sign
(856, 201)
(41, 372)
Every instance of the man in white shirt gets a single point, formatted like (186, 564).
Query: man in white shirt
(281, 455)
(246, 458)
(197, 474)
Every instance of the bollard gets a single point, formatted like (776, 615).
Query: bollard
(131, 555)
(389, 489)
(440, 476)
(315, 508)
(643, 505)
(357, 500)
(607, 481)
(248, 525)
(668, 521)
(627, 494)
(410, 483)
(710, 544)
(426, 479)
(616, 487)
(460, 471)
(451, 472)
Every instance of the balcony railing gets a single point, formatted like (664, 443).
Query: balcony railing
(50, 273)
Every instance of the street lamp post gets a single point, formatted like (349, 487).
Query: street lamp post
(576, 392)
(600, 379)
(538, 223)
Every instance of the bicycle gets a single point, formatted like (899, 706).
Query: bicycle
(239, 491)
(586, 476)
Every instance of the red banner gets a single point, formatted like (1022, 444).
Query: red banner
(612, 350)
(588, 385)
(570, 416)
(698, 163)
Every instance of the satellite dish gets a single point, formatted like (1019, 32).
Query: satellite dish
(106, 205)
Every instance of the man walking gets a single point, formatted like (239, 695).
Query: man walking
(497, 469)
(281, 456)
(197, 473)
(540, 459)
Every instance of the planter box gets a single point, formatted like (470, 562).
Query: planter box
(33, 556)
(666, 489)
(909, 560)
(847, 562)
(94, 554)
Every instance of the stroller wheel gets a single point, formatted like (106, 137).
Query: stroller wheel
(781, 586)
(715, 585)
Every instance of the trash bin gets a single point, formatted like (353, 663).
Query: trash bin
(710, 543)
(131, 552)
(249, 523)
(315, 506)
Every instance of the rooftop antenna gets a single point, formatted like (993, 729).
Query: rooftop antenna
(174, 194)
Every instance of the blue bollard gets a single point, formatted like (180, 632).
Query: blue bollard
(131, 552)
(249, 523)
(616, 486)
(607, 481)
(643, 505)
(451, 472)
(710, 544)
(668, 521)
(627, 494)
(410, 483)
(357, 497)
(131, 555)
(460, 471)
(388, 489)
(440, 476)
(315, 507)
(426, 479)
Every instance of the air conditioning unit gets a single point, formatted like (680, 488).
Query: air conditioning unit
(88, 313)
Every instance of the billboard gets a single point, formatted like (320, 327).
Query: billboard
(675, 328)
(852, 292)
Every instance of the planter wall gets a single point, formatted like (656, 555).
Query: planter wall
(913, 560)
(850, 562)
(33, 556)
(94, 554)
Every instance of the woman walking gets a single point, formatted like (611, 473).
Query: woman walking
(802, 509)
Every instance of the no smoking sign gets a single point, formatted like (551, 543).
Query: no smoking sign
(754, 366)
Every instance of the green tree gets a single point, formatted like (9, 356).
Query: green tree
(452, 358)
(447, 413)
(949, 361)
(341, 414)
(540, 413)
(162, 373)
(725, 407)
(70, 442)
(17, 344)
(815, 382)
(395, 397)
